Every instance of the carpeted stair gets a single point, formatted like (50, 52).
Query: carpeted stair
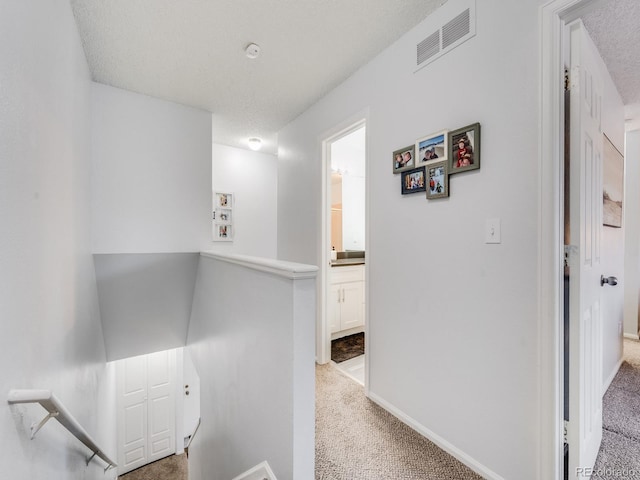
(175, 467)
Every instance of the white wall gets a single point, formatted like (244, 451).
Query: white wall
(145, 301)
(453, 323)
(631, 212)
(253, 178)
(50, 333)
(252, 343)
(192, 401)
(631, 222)
(151, 174)
(613, 254)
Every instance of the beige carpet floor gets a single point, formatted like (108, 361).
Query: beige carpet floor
(619, 456)
(358, 440)
(174, 467)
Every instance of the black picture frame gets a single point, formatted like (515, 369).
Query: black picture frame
(413, 181)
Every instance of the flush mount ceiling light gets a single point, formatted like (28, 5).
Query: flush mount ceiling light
(252, 51)
(255, 144)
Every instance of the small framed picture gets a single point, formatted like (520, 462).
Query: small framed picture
(437, 180)
(222, 215)
(222, 233)
(432, 148)
(404, 159)
(413, 181)
(224, 200)
(612, 184)
(464, 149)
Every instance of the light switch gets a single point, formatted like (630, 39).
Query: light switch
(492, 231)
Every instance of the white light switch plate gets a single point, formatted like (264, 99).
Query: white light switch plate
(492, 231)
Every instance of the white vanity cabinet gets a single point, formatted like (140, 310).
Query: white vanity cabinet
(346, 298)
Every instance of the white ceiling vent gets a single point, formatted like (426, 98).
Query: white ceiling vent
(456, 31)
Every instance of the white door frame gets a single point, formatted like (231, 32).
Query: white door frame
(323, 333)
(553, 17)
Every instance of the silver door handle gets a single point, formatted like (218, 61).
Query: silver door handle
(612, 281)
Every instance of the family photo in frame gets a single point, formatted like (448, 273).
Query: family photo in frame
(224, 200)
(437, 180)
(413, 181)
(403, 159)
(224, 232)
(222, 215)
(464, 149)
(432, 147)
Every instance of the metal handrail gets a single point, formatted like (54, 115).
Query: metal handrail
(193, 434)
(56, 410)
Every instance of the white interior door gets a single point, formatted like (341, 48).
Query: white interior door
(585, 350)
(132, 414)
(161, 369)
(146, 409)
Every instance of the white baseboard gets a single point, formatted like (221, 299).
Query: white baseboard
(631, 336)
(259, 472)
(439, 441)
(612, 376)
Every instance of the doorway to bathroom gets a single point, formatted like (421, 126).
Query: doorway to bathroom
(342, 333)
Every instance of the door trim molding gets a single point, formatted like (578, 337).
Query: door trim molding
(553, 16)
(323, 334)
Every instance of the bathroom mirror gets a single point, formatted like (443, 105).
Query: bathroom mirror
(348, 192)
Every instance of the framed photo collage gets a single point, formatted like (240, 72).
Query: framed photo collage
(427, 165)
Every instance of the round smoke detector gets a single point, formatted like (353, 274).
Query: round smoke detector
(252, 50)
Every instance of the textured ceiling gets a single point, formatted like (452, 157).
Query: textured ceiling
(192, 52)
(615, 29)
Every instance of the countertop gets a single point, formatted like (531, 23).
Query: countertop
(341, 262)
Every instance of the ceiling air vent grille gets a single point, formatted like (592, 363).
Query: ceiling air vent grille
(456, 29)
(429, 47)
(454, 32)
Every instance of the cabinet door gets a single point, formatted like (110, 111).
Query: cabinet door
(351, 306)
(334, 308)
